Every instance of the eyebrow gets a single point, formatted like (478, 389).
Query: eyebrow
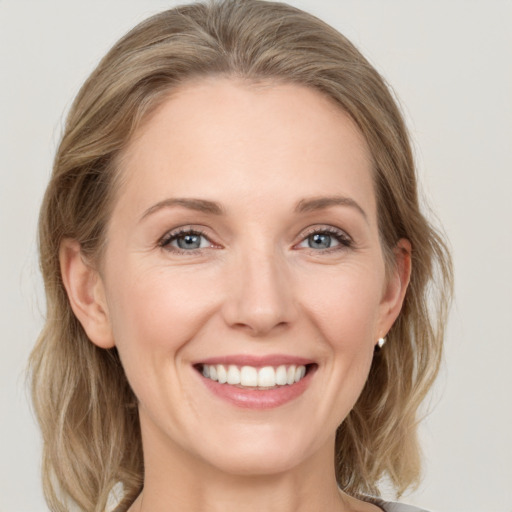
(320, 203)
(303, 206)
(199, 205)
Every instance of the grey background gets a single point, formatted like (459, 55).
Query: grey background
(450, 63)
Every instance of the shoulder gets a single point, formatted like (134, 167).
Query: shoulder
(388, 506)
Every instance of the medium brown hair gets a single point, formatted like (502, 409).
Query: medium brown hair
(84, 404)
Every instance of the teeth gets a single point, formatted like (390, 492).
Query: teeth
(281, 375)
(233, 375)
(222, 375)
(299, 373)
(249, 376)
(290, 375)
(266, 377)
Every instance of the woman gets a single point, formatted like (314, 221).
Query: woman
(237, 271)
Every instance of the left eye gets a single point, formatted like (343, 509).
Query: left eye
(185, 240)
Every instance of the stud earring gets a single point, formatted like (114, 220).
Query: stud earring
(380, 342)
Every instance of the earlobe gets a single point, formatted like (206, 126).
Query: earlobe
(396, 287)
(86, 294)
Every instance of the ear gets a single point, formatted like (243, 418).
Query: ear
(396, 286)
(86, 293)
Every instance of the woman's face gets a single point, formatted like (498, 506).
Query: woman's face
(244, 246)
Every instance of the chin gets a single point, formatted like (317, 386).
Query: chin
(256, 464)
(265, 451)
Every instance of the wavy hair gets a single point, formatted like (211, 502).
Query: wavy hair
(83, 402)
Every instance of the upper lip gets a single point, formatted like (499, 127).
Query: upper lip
(256, 360)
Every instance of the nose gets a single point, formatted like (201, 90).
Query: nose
(260, 295)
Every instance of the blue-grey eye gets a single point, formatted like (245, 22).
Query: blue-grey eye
(326, 238)
(189, 241)
(185, 241)
(320, 241)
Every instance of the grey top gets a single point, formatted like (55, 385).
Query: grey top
(387, 506)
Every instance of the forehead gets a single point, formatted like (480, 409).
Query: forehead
(219, 135)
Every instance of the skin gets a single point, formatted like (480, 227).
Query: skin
(255, 286)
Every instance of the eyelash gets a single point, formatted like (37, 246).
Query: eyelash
(166, 240)
(345, 242)
(340, 236)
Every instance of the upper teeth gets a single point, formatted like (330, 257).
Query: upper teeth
(265, 377)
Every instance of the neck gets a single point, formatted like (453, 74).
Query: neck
(275, 493)
(176, 478)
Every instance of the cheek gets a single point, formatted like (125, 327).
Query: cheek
(343, 309)
(154, 316)
(158, 310)
(345, 305)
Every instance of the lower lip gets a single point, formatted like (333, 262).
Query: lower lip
(258, 398)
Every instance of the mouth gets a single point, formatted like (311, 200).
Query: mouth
(253, 377)
(256, 383)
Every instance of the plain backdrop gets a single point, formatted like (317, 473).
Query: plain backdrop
(450, 64)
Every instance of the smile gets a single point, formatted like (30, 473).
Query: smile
(256, 382)
(252, 377)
